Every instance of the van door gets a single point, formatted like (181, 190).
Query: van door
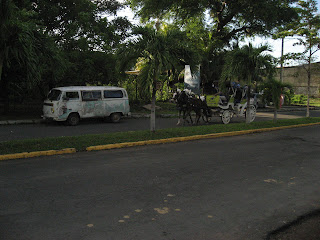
(70, 103)
(114, 101)
(92, 104)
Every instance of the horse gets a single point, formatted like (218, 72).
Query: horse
(201, 109)
(183, 105)
(188, 102)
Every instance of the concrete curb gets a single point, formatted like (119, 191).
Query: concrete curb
(148, 142)
(190, 138)
(37, 154)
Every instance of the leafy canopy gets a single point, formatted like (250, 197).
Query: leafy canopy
(248, 64)
(229, 18)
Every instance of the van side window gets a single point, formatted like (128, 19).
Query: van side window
(113, 94)
(91, 95)
(72, 95)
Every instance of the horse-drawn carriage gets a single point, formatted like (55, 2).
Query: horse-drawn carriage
(226, 105)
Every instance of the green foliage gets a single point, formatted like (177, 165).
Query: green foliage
(131, 86)
(248, 64)
(19, 47)
(229, 20)
(156, 53)
(78, 24)
(306, 27)
(273, 90)
(289, 94)
(315, 102)
(299, 99)
(45, 44)
(163, 94)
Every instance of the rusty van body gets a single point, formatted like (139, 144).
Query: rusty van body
(71, 104)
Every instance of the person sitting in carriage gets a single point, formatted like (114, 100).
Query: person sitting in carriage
(237, 92)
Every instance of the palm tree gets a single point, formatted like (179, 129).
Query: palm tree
(248, 64)
(159, 50)
(273, 90)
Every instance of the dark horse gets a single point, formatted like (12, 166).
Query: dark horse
(201, 109)
(188, 102)
(183, 105)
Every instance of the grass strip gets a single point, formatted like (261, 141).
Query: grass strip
(82, 142)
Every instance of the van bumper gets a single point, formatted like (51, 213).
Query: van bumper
(50, 119)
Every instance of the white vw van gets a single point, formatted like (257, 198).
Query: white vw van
(73, 103)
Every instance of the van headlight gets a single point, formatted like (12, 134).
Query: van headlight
(52, 110)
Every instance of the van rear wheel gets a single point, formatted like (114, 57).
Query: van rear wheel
(73, 119)
(115, 117)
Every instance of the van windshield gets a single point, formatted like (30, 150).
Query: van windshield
(54, 95)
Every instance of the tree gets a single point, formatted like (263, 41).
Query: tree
(47, 43)
(273, 89)
(82, 24)
(216, 24)
(228, 19)
(18, 42)
(159, 51)
(307, 28)
(248, 64)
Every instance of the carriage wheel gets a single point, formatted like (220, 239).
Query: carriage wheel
(226, 116)
(253, 112)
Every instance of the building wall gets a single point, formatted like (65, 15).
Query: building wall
(298, 78)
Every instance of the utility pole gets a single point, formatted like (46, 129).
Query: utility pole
(281, 61)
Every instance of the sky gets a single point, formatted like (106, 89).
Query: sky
(257, 41)
(288, 45)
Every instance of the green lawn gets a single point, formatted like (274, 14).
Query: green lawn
(315, 102)
(81, 142)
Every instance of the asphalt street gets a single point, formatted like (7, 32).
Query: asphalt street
(230, 188)
(54, 129)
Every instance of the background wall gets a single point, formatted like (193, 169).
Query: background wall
(298, 78)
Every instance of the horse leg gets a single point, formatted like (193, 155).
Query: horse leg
(190, 116)
(198, 115)
(205, 115)
(179, 118)
(186, 115)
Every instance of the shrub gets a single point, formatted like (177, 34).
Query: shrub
(299, 99)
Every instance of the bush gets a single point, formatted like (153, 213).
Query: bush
(289, 94)
(299, 99)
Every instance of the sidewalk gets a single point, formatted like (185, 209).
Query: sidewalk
(37, 120)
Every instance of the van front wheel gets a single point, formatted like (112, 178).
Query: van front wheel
(115, 117)
(73, 119)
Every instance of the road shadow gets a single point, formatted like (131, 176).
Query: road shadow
(304, 227)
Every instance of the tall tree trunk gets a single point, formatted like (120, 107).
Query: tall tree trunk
(154, 91)
(248, 112)
(275, 114)
(308, 87)
(153, 105)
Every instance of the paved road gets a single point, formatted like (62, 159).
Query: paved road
(230, 188)
(15, 132)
